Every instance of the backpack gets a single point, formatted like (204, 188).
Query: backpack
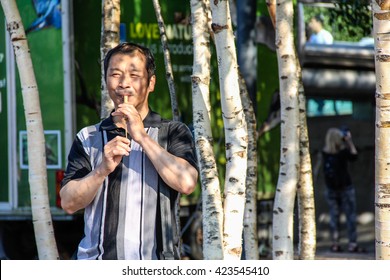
(332, 168)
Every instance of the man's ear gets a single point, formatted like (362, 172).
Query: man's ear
(152, 83)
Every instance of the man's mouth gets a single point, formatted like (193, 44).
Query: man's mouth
(122, 93)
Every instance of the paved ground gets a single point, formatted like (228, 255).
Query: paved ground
(366, 239)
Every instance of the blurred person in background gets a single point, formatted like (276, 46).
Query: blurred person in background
(319, 34)
(338, 151)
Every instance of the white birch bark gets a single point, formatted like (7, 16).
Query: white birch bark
(40, 207)
(111, 12)
(167, 59)
(236, 138)
(211, 194)
(289, 155)
(251, 245)
(306, 206)
(381, 23)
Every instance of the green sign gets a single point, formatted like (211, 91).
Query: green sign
(41, 20)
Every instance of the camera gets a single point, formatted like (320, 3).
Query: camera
(344, 130)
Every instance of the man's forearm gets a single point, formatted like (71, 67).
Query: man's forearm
(176, 172)
(78, 194)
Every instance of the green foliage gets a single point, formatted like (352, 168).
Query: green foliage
(348, 20)
(269, 144)
(352, 16)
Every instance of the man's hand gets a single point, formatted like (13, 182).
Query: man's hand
(114, 150)
(79, 193)
(135, 125)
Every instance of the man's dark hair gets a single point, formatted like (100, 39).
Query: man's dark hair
(320, 18)
(129, 48)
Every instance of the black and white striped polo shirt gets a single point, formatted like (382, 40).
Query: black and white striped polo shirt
(124, 221)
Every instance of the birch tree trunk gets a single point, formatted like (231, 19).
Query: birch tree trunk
(170, 80)
(41, 216)
(381, 22)
(211, 194)
(289, 156)
(111, 12)
(235, 130)
(251, 246)
(167, 59)
(306, 206)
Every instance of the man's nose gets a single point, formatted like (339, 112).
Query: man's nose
(125, 81)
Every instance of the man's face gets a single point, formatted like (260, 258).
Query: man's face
(315, 25)
(127, 76)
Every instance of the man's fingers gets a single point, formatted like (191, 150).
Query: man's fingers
(127, 111)
(119, 146)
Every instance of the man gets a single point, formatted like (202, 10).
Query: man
(320, 35)
(129, 184)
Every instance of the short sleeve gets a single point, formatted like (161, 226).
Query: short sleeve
(79, 164)
(181, 143)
